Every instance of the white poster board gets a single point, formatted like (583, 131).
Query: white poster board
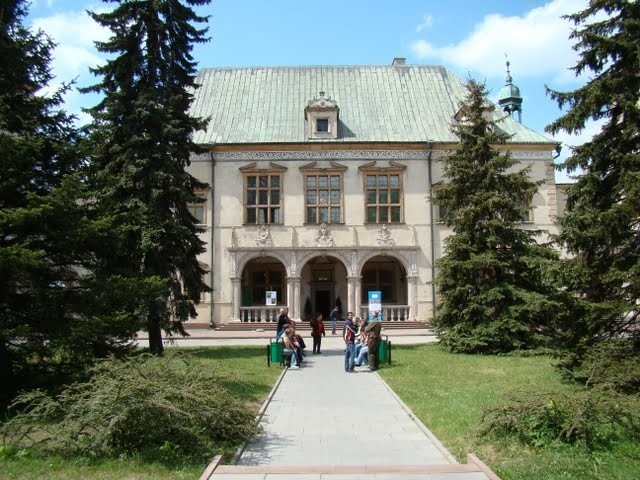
(271, 298)
(375, 306)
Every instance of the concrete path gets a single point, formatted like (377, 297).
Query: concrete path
(325, 423)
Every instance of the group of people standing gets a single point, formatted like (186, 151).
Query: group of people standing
(362, 339)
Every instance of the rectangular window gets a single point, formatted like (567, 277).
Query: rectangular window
(263, 198)
(323, 198)
(322, 125)
(198, 210)
(439, 211)
(383, 198)
(524, 203)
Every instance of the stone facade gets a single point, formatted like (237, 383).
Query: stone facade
(324, 197)
(343, 248)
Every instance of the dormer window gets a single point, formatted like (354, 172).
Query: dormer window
(321, 115)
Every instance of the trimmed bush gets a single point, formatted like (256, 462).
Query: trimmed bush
(168, 406)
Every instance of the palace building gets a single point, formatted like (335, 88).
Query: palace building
(321, 181)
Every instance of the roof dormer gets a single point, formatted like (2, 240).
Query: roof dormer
(321, 115)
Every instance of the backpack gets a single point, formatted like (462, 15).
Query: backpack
(348, 334)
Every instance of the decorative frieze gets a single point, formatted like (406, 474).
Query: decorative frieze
(313, 155)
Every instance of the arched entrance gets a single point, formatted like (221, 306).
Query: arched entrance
(259, 276)
(323, 283)
(387, 275)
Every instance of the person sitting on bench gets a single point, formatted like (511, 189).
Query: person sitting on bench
(291, 347)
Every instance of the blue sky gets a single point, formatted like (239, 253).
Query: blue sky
(470, 37)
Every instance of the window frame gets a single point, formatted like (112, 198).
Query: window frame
(317, 206)
(325, 122)
(396, 170)
(526, 203)
(269, 173)
(437, 209)
(194, 207)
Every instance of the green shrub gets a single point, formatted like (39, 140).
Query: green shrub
(167, 407)
(612, 364)
(588, 418)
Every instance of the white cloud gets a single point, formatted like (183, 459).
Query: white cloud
(427, 22)
(537, 42)
(75, 34)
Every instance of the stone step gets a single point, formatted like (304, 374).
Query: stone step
(475, 469)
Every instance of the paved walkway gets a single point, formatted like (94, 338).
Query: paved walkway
(325, 423)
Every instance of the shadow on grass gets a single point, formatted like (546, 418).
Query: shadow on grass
(226, 353)
(253, 381)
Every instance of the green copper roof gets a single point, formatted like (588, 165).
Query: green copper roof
(394, 103)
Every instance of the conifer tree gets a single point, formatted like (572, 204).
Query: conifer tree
(490, 280)
(54, 316)
(142, 142)
(601, 226)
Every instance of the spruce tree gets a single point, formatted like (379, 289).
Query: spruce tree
(491, 275)
(142, 142)
(55, 316)
(600, 229)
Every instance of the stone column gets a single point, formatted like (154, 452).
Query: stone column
(235, 302)
(358, 295)
(351, 289)
(290, 295)
(294, 302)
(412, 296)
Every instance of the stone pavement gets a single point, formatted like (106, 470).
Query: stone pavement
(323, 423)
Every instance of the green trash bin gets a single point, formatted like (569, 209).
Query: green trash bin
(276, 352)
(383, 350)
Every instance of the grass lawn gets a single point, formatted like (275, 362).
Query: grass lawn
(242, 370)
(448, 392)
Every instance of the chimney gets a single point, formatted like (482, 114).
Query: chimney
(399, 61)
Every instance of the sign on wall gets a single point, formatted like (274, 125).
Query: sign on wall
(375, 306)
(272, 297)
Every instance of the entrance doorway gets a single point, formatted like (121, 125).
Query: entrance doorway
(323, 301)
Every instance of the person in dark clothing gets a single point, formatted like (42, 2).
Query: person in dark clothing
(349, 340)
(334, 316)
(317, 332)
(373, 331)
(283, 322)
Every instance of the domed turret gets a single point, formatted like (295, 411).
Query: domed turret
(509, 97)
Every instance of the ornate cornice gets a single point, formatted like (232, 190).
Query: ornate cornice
(311, 155)
(372, 155)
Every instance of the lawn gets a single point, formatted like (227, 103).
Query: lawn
(448, 392)
(242, 370)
